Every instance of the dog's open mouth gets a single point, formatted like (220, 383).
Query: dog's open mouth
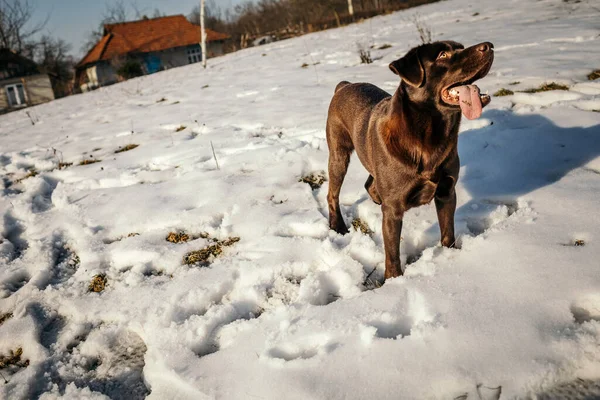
(467, 95)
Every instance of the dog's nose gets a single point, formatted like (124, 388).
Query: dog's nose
(485, 47)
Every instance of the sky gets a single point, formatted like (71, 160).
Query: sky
(71, 20)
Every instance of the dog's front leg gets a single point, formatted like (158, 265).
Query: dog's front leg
(392, 228)
(445, 208)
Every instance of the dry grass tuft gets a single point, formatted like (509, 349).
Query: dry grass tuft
(178, 237)
(13, 359)
(546, 87)
(73, 259)
(127, 147)
(314, 179)
(98, 283)
(89, 161)
(305, 65)
(579, 243)
(161, 100)
(384, 46)
(215, 249)
(32, 172)
(514, 83)
(63, 165)
(5, 317)
(504, 92)
(360, 225)
(594, 75)
(132, 234)
(180, 128)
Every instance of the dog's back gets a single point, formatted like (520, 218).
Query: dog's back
(352, 108)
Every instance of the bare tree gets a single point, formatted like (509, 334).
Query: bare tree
(52, 55)
(16, 29)
(114, 13)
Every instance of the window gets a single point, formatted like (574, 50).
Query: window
(194, 54)
(16, 95)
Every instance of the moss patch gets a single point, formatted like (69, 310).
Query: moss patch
(127, 147)
(89, 161)
(594, 75)
(98, 283)
(203, 256)
(13, 359)
(546, 87)
(314, 179)
(504, 92)
(360, 225)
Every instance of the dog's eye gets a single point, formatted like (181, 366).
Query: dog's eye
(443, 54)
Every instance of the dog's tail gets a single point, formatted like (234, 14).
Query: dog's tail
(341, 85)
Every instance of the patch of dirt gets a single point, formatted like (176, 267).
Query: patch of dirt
(314, 179)
(594, 75)
(5, 317)
(182, 237)
(177, 237)
(63, 165)
(13, 360)
(203, 256)
(98, 283)
(32, 172)
(127, 147)
(546, 87)
(89, 161)
(360, 225)
(504, 92)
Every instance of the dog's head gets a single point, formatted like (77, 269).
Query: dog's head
(436, 73)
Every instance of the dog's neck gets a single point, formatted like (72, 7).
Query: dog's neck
(419, 133)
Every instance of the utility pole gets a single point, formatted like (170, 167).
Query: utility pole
(203, 33)
(350, 8)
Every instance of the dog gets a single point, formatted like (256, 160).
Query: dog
(407, 142)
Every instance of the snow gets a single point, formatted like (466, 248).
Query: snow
(284, 312)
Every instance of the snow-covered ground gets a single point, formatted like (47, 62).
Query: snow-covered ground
(285, 312)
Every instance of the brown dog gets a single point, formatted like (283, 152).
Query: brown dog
(408, 141)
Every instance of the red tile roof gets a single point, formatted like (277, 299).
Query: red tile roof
(147, 35)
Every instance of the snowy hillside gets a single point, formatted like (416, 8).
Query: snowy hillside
(287, 312)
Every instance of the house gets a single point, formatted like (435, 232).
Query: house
(21, 82)
(143, 47)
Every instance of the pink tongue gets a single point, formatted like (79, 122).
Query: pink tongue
(469, 100)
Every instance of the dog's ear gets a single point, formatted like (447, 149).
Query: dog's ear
(410, 68)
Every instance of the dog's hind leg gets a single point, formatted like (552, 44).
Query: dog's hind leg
(340, 150)
(372, 190)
